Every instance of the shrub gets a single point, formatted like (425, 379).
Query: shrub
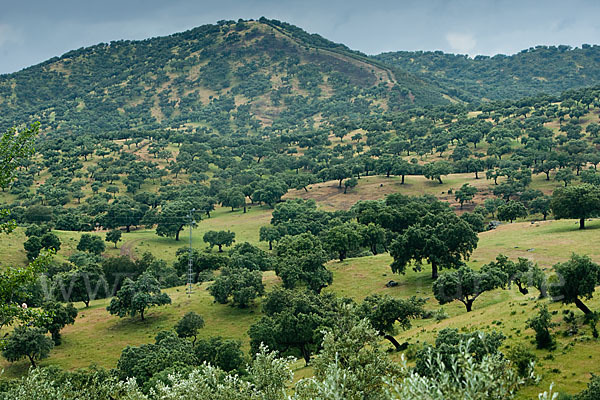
(522, 359)
(446, 347)
(593, 390)
(223, 353)
(541, 324)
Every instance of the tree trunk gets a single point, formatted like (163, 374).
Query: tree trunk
(55, 337)
(270, 245)
(469, 305)
(32, 361)
(128, 228)
(476, 176)
(305, 354)
(305, 189)
(434, 271)
(142, 314)
(581, 223)
(402, 183)
(393, 341)
(345, 189)
(220, 248)
(522, 289)
(582, 307)
(440, 180)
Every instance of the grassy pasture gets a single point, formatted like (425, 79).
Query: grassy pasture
(329, 196)
(569, 366)
(245, 225)
(99, 338)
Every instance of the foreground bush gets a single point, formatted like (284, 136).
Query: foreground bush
(351, 365)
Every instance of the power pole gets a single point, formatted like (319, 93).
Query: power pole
(190, 281)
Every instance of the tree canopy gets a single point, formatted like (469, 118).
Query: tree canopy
(241, 284)
(575, 279)
(189, 325)
(443, 240)
(466, 285)
(59, 316)
(384, 311)
(219, 239)
(292, 320)
(27, 342)
(301, 259)
(580, 202)
(136, 297)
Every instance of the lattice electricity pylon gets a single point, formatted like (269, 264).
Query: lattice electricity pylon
(190, 281)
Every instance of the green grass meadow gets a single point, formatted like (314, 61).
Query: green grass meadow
(98, 338)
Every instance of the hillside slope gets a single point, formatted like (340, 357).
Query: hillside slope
(543, 69)
(546, 243)
(228, 77)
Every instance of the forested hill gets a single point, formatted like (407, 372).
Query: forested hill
(547, 69)
(229, 77)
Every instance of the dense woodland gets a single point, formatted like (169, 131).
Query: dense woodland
(540, 69)
(156, 177)
(158, 133)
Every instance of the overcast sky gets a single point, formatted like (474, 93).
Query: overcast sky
(32, 31)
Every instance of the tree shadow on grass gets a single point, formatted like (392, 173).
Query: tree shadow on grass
(151, 318)
(573, 226)
(17, 369)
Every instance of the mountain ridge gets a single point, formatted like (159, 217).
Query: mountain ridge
(266, 75)
(539, 69)
(273, 72)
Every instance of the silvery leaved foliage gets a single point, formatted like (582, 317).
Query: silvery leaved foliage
(463, 377)
(350, 366)
(352, 363)
(269, 377)
(45, 384)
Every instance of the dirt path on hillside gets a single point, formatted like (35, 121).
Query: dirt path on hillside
(128, 250)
